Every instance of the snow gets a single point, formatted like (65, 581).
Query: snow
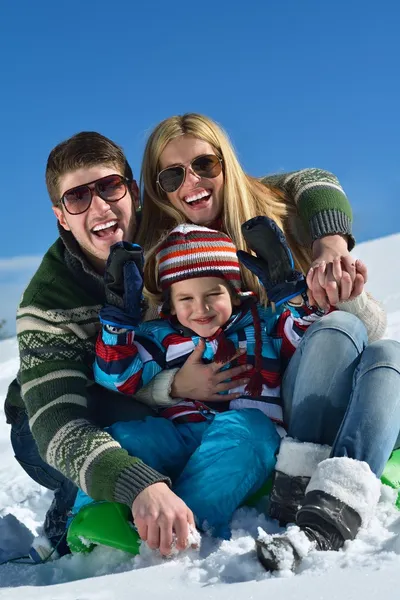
(366, 568)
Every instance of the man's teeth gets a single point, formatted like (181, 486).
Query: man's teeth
(198, 196)
(104, 225)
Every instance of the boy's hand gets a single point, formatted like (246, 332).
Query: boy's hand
(273, 263)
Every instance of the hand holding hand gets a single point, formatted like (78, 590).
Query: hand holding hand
(334, 276)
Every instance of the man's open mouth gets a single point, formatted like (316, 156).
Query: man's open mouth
(106, 229)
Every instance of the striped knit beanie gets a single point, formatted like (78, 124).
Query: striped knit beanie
(192, 251)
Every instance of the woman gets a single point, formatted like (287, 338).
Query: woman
(190, 173)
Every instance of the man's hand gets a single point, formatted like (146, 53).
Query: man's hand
(334, 276)
(198, 381)
(158, 513)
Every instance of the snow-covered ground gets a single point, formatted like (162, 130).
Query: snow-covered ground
(367, 568)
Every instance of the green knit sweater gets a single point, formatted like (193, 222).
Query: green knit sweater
(57, 324)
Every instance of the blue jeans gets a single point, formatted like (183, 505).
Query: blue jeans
(214, 465)
(340, 391)
(27, 454)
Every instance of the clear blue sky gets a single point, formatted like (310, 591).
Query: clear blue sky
(296, 83)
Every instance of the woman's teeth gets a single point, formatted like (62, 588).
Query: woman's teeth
(196, 197)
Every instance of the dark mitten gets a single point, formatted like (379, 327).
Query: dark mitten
(273, 263)
(123, 279)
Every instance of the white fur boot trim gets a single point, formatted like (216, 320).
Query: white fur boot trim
(300, 459)
(350, 481)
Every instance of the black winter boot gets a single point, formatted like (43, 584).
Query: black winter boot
(325, 521)
(296, 463)
(286, 497)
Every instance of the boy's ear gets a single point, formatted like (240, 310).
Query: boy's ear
(61, 217)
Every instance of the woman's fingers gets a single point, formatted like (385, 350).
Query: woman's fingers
(346, 286)
(231, 373)
(316, 286)
(217, 366)
(361, 269)
(358, 286)
(337, 270)
(349, 265)
(331, 284)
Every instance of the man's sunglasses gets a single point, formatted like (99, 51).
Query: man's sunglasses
(207, 165)
(110, 188)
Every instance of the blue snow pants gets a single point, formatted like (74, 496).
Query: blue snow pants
(214, 465)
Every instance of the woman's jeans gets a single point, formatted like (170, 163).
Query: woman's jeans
(340, 391)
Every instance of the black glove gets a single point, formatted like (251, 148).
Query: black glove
(273, 265)
(123, 279)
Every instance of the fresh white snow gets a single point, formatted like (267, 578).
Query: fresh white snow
(367, 568)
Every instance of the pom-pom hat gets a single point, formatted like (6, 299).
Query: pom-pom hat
(192, 251)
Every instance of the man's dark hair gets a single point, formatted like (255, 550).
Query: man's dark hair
(85, 149)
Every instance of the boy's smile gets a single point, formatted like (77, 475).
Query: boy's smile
(203, 304)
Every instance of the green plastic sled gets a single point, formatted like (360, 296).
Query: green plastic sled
(391, 474)
(105, 524)
(109, 523)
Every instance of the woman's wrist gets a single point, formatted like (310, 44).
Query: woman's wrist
(336, 242)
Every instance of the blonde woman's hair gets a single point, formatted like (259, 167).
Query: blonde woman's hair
(244, 197)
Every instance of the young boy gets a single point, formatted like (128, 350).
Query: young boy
(215, 457)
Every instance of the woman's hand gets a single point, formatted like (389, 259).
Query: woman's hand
(158, 513)
(334, 276)
(198, 381)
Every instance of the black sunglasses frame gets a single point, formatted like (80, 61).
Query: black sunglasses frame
(184, 171)
(96, 189)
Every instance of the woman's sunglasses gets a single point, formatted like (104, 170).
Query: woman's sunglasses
(110, 188)
(207, 165)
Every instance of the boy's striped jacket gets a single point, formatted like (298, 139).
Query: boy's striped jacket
(127, 360)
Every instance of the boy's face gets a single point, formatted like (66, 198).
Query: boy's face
(203, 304)
(117, 220)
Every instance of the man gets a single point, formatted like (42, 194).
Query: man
(94, 198)
(56, 412)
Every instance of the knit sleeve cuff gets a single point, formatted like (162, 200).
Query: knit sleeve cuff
(331, 222)
(134, 480)
(354, 306)
(370, 312)
(157, 393)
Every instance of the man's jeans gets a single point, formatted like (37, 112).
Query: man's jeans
(340, 391)
(27, 454)
(106, 407)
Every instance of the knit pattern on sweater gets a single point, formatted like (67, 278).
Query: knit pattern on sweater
(57, 325)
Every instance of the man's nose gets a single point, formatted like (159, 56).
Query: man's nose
(100, 205)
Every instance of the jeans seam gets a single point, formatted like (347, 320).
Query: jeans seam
(360, 372)
(338, 329)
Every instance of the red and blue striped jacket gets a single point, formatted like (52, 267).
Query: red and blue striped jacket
(127, 360)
